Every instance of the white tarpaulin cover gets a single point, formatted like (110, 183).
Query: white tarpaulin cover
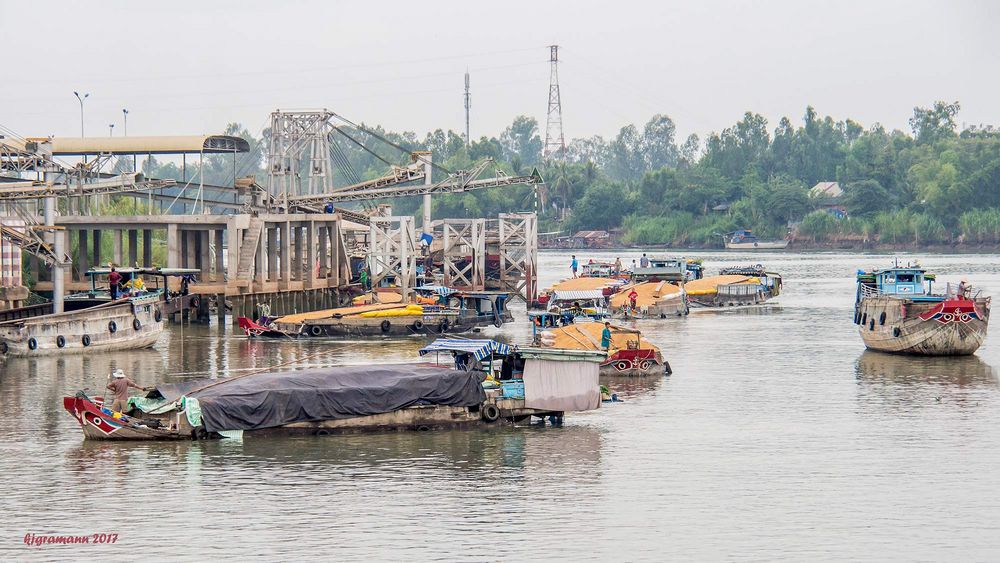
(561, 385)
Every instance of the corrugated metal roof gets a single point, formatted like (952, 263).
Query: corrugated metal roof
(79, 146)
(578, 295)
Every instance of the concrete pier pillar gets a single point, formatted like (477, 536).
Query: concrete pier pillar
(220, 271)
(312, 253)
(173, 247)
(116, 250)
(133, 247)
(272, 255)
(285, 252)
(297, 239)
(147, 247)
(324, 251)
(97, 248)
(204, 254)
(82, 261)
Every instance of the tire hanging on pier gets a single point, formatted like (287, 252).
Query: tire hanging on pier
(386, 325)
(418, 325)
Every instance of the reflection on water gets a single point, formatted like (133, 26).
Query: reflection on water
(878, 368)
(775, 437)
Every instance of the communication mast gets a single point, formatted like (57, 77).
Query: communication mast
(468, 105)
(555, 142)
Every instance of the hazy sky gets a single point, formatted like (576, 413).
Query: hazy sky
(192, 67)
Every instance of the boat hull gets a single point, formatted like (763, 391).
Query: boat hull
(384, 326)
(759, 245)
(955, 327)
(635, 363)
(128, 325)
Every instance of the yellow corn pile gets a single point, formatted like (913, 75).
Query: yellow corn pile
(649, 294)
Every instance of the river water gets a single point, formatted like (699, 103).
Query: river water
(777, 437)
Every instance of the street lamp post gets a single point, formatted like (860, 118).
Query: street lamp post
(81, 99)
(125, 114)
(111, 129)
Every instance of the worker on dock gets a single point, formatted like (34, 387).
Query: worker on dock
(119, 386)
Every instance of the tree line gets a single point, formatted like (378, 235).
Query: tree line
(932, 184)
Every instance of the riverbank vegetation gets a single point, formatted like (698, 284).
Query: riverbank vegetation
(932, 184)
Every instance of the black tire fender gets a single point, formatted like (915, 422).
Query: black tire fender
(85, 340)
(61, 341)
(386, 325)
(136, 324)
(157, 314)
(32, 343)
(316, 330)
(112, 327)
(418, 325)
(490, 412)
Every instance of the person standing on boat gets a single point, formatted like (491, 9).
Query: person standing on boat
(574, 265)
(606, 336)
(962, 289)
(119, 386)
(643, 262)
(633, 296)
(114, 278)
(618, 266)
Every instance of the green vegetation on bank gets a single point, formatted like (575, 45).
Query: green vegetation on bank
(931, 185)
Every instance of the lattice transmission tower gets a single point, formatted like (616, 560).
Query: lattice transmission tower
(555, 142)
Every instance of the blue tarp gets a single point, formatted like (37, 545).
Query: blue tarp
(480, 349)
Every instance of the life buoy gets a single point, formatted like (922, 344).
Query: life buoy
(61, 341)
(85, 340)
(112, 327)
(157, 315)
(490, 412)
(316, 330)
(418, 325)
(386, 325)
(32, 343)
(136, 324)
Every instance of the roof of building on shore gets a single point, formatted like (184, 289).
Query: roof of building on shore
(826, 189)
(587, 336)
(710, 284)
(136, 145)
(584, 284)
(649, 293)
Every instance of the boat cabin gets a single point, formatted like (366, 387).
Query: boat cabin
(662, 268)
(483, 305)
(909, 281)
(598, 270)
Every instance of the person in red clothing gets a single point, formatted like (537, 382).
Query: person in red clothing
(119, 386)
(114, 278)
(632, 298)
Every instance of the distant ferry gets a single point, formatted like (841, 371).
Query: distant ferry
(896, 311)
(746, 240)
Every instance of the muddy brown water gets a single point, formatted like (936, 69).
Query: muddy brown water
(777, 437)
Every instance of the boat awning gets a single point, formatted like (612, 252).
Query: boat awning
(438, 289)
(480, 349)
(579, 294)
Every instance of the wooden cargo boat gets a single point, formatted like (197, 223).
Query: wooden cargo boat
(459, 312)
(896, 311)
(91, 321)
(591, 292)
(343, 400)
(735, 287)
(628, 355)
